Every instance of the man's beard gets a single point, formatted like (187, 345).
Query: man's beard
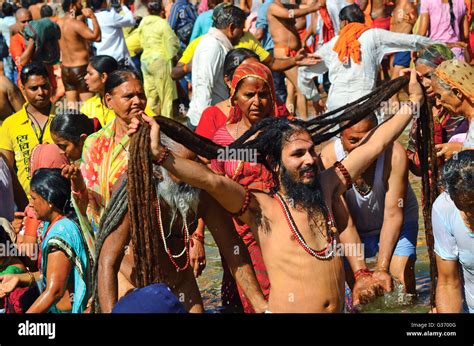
(303, 196)
(179, 196)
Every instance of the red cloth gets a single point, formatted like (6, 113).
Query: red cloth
(256, 70)
(328, 29)
(471, 46)
(211, 120)
(256, 177)
(381, 23)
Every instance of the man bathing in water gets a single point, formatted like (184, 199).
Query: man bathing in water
(290, 224)
(281, 23)
(180, 208)
(382, 204)
(75, 47)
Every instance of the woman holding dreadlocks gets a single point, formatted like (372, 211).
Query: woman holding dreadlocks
(453, 228)
(445, 21)
(294, 223)
(446, 124)
(453, 86)
(253, 98)
(104, 155)
(64, 261)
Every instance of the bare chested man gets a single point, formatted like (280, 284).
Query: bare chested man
(75, 49)
(296, 220)
(35, 8)
(282, 26)
(11, 99)
(404, 17)
(180, 208)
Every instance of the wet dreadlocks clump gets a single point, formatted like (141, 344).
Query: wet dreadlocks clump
(141, 201)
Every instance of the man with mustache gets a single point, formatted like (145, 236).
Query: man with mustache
(28, 127)
(180, 206)
(75, 47)
(296, 232)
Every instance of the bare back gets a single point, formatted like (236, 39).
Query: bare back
(403, 9)
(379, 9)
(283, 31)
(74, 48)
(299, 281)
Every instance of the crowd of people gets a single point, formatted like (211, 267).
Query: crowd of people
(131, 131)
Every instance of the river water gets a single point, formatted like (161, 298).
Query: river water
(210, 281)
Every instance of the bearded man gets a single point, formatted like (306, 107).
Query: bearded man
(294, 224)
(179, 208)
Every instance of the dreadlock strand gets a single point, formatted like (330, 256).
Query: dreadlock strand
(192, 141)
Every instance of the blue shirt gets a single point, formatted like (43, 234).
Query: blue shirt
(182, 12)
(454, 242)
(202, 24)
(262, 23)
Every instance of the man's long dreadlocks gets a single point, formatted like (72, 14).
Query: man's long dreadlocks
(269, 134)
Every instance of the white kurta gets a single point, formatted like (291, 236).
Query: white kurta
(351, 82)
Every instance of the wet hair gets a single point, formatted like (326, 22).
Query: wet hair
(452, 17)
(155, 6)
(46, 11)
(66, 4)
(117, 78)
(4, 237)
(34, 2)
(270, 142)
(54, 188)
(230, 15)
(457, 177)
(211, 4)
(71, 124)
(103, 64)
(234, 58)
(33, 69)
(96, 4)
(26, 3)
(7, 9)
(353, 14)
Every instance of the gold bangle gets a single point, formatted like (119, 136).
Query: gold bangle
(32, 279)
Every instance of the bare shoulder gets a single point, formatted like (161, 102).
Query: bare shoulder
(398, 152)
(328, 155)
(396, 161)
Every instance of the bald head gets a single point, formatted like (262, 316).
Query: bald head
(23, 17)
(22, 13)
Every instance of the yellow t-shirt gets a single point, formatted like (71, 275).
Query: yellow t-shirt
(18, 135)
(94, 108)
(247, 41)
(132, 40)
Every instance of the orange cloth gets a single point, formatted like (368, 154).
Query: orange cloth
(347, 45)
(367, 13)
(289, 53)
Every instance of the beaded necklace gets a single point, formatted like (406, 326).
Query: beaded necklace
(185, 232)
(323, 254)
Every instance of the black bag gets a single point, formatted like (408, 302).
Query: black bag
(184, 33)
(4, 52)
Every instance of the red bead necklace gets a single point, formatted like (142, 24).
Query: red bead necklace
(323, 254)
(185, 232)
